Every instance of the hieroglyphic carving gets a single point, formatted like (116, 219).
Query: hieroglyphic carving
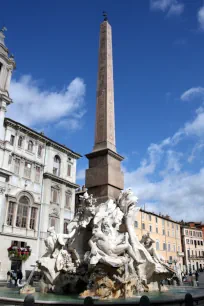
(105, 121)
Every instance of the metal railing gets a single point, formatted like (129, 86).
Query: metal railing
(29, 300)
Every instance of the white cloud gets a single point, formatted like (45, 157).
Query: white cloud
(81, 174)
(170, 7)
(200, 17)
(192, 93)
(34, 106)
(176, 9)
(162, 180)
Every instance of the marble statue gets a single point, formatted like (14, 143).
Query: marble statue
(102, 252)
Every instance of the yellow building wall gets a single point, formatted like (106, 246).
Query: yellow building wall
(163, 232)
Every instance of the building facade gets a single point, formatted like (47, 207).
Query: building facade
(37, 183)
(193, 246)
(166, 234)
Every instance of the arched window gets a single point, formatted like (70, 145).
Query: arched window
(30, 146)
(65, 231)
(56, 166)
(68, 199)
(39, 151)
(20, 141)
(22, 212)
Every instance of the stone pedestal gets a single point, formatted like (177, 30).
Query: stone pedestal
(104, 178)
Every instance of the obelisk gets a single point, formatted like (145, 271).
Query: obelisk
(104, 178)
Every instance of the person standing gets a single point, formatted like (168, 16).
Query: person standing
(19, 276)
(196, 275)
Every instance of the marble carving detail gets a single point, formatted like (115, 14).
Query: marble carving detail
(112, 262)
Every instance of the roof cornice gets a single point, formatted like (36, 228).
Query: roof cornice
(43, 138)
(60, 180)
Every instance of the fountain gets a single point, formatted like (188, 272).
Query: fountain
(101, 254)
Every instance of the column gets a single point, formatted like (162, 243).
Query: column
(8, 80)
(28, 218)
(14, 214)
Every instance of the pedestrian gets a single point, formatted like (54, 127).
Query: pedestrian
(8, 277)
(196, 275)
(19, 276)
(14, 276)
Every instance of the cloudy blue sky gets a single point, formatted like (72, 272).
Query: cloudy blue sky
(158, 48)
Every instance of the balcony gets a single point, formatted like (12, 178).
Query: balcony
(180, 254)
(193, 257)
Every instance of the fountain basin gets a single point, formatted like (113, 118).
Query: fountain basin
(174, 295)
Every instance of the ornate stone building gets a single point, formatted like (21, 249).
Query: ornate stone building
(165, 232)
(37, 183)
(193, 246)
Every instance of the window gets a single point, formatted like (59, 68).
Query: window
(164, 246)
(169, 247)
(188, 252)
(172, 233)
(150, 228)
(37, 174)
(20, 141)
(170, 258)
(69, 170)
(30, 146)
(201, 242)
(150, 218)
(55, 193)
(68, 199)
(198, 242)
(39, 151)
(172, 225)
(174, 248)
(22, 212)
(157, 245)
(186, 233)
(163, 231)
(27, 170)
(193, 233)
(157, 231)
(156, 219)
(33, 216)
(10, 213)
(143, 226)
(190, 233)
(163, 222)
(66, 222)
(12, 138)
(187, 241)
(17, 166)
(191, 241)
(9, 159)
(136, 224)
(56, 166)
(177, 227)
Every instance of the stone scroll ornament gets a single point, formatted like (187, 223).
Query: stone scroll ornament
(101, 254)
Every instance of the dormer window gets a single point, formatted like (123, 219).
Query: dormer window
(69, 170)
(20, 141)
(30, 146)
(56, 166)
(39, 151)
(12, 140)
